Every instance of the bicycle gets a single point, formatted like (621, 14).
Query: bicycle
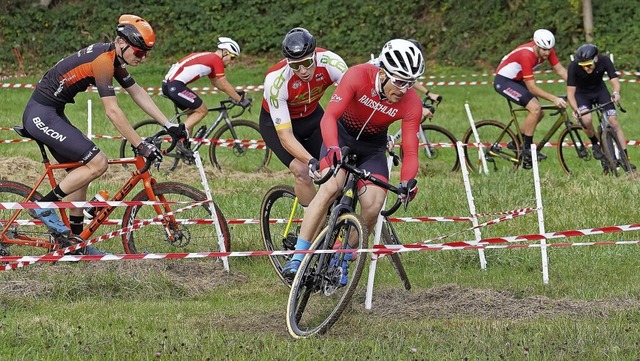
(438, 145)
(504, 149)
(614, 155)
(237, 144)
(146, 228)
(319, 293)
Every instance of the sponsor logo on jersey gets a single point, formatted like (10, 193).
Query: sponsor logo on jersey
(296, 84)
(319, 77)
(374, 93)
(48, 131)
(385, 109)
(335, 98)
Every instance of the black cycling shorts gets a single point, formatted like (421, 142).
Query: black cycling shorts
(181, 96)
(306, 130)
(515, 91)
(50, 125)
(586, 100)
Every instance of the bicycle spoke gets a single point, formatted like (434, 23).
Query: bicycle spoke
(244, 152)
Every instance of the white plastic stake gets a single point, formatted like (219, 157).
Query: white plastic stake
(214, 213)
(89, 120)
(477, 138)
(543, 242)
(470, 201)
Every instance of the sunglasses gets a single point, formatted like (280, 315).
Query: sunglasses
(306, 63)
(399, 83)
(586, 64)
(139, 53)
(232, 56)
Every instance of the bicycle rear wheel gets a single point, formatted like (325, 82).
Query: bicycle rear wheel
(148, 128)
(248, 153)
(390, 237)
(317, 298)
(494, 136)
(191, 229)
(614, 153)
(575, 157)
(437, 152)
(280, 215)
(17, 192)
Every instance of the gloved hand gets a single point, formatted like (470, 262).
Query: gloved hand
(314, 168)
(408, 190)
(177, 131)
(244, 102)
(333, 157)
(149, 151)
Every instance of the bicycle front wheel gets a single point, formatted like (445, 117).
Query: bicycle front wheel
(496, 139)
(148, 128)
(23, 228)
(390, 237)
(280, 217)
(614, 153)
(239, 147)
(322, 288)
(189, 229)
(437, 152)
(574, 155)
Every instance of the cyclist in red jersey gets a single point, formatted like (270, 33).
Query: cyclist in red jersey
(195, 66)
(44, 117)
(290, 114)
(515, 81)
(365, 103)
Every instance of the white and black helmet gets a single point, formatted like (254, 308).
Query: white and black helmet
(229, 45)
(544, 39)
(402, 58)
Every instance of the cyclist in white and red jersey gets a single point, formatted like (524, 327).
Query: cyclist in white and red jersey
(290, 114)
(195, 66)
(515, 81)
(366, 102)
(44, 119)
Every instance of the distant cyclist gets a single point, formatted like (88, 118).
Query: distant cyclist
(585, 87)
(514, 80)
(44, 118)
(365, 103)
(291, 113)
(195, 66)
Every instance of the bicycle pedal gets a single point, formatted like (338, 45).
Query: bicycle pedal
(69, 241)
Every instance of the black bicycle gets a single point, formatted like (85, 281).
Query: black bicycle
(321, 290)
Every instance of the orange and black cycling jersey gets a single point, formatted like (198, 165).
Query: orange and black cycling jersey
(96, 65)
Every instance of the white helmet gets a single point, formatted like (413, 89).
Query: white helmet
(229, 44)
(544, 39)
(402, 58)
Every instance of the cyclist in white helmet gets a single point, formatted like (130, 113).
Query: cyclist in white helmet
(194, 66)
(367, 101)
(514, 80)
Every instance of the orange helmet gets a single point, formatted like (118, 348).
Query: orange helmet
(136, 31)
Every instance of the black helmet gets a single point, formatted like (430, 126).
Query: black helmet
(586, 53)
(298, 43)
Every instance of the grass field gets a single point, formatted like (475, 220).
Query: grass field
(193, 309)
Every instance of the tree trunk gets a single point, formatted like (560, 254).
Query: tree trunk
(587, 19)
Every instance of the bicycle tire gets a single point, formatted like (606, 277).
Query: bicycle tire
(439, 154)
(390, 237)
(278, 203)
(497, 154)
(245, 157)
(191, 237)
(614, 153)
(575, 157)
(315, 300)
(17, 192)
(148, 128)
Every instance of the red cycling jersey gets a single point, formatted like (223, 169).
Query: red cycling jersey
(522, 61)
(96, 65)
(194, 66)
(357, 104)
(287, 97)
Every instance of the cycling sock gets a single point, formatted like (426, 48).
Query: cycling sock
(301, 245)
(55, 195)
(76, 224)
(594, 140)
(528, 140)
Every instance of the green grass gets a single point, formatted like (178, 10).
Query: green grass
(194, 310)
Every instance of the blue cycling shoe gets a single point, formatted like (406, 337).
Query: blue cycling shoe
(290, 269)
(50, 219)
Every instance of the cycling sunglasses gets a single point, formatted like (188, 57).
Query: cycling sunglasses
(399, 83)
(306, 63)
(139, 53)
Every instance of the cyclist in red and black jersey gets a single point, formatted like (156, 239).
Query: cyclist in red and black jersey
(45, 120)
(290, 114)
(366, 102)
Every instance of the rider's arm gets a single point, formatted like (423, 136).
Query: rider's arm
(224, 85)
(144, 101)
(571, 97)
(561, 71)
(410, 125)
(292, 145)
(537, 91)
(615, 87)
(119, 120)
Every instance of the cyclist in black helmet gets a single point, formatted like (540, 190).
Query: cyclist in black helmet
(290, 114)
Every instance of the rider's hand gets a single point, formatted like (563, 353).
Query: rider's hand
(149, 151)
(177, 131)
(333, 157)
(408, 190)
(314, 168)
(615, 96)
(560, 103)
(244, 102)
(427, 113)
